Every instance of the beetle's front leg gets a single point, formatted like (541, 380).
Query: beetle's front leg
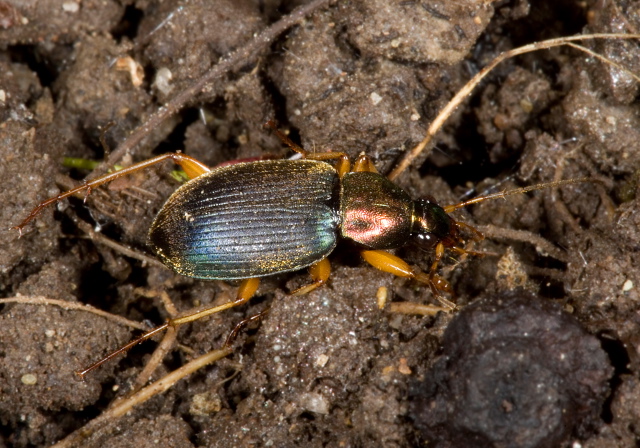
(387, 262)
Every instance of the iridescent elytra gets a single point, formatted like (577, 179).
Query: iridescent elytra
(268, 217)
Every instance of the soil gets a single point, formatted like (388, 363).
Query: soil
(330, 368)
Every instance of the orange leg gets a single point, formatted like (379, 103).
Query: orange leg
(342, 166)
(319, 272)
(438, 254)
(240, 325)
(191, 166)
(477, 235)
(364, 163)
(247, 289)
(475, 253)
(387, 262)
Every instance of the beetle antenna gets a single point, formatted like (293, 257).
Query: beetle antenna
(504, 194)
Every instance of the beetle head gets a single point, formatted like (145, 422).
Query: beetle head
(432, 225)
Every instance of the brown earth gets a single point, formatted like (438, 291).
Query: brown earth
(329, 368)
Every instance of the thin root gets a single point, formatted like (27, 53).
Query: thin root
(120, 408)
(543, 245)
(76, 307)
(468, 88)
(416, 308)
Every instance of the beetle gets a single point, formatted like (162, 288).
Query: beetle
(253, 219)
(268, 217)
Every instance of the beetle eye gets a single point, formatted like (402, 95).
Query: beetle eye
(426, 241)
(428, 199)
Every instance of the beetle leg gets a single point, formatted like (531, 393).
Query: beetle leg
(436, 282)
(82, 373)
(477, 235)
(247, 289)
(191, 166)
(320, 272)
(285, 139)
(234, 333)
(438, 254)
(475, 253)
(387, 262)
(364, 163)
(343, 166)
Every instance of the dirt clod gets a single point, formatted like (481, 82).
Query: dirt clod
(515, 371)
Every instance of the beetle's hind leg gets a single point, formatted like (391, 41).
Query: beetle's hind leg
(387, 262)
(240, 325)
(192, 167)
(247, 289)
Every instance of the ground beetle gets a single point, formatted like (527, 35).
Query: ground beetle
(254, 219)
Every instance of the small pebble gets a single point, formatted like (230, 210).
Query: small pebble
(29, 379)
(322, 360)
(70, 7)
(314, 402)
